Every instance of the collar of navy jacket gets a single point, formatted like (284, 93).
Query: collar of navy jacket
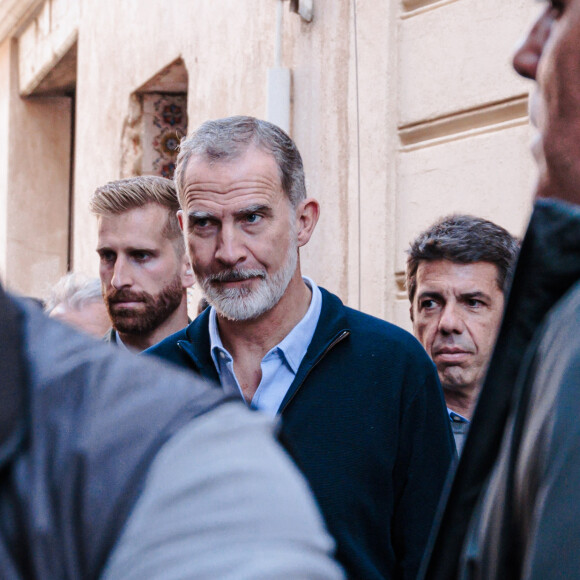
(331, 329)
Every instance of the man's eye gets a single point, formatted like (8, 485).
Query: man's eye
(141, 256)
(107, 257)
(203, 223)
(253, 218)
(474, 303)
(426, 304)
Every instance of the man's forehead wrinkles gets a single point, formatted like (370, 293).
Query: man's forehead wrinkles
(235, 199)
(256, 182)
(217, 206)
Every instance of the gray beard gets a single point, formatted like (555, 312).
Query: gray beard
(246, 303)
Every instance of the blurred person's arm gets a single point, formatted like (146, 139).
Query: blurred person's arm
(211, 509)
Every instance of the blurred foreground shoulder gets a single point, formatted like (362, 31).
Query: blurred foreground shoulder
(222, 501)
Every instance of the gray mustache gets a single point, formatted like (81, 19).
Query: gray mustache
(236, 275)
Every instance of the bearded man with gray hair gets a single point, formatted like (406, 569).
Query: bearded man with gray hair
(362, 409)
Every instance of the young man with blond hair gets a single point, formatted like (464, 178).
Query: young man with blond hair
(144, 269)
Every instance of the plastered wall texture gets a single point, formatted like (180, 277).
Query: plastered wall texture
(403, 110)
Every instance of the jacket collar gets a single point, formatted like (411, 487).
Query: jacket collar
(547, 268)
(13, 379)
(331, 326)
(197, 346)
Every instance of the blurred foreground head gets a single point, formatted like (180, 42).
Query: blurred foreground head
(549, 55)
(512, 508)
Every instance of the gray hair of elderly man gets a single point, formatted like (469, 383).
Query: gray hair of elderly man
(75, 291)
(224, 140)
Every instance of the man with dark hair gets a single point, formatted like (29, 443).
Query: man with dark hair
(457, 272)
(144, 268)
(362, 410)
(513, 507)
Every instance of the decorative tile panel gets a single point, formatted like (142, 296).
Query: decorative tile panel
(164, 125)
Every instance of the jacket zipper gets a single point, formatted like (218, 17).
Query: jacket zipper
(340, 337)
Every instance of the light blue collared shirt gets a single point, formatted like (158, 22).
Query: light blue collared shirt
(279, 366)
(459, 426)
(120, 344)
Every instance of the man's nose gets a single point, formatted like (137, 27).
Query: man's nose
(230, 248)
(121, 274)
(451, 321)
(529, 52)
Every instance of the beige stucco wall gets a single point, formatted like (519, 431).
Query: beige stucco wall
(34, 190)
(403, 111)
(462, 119)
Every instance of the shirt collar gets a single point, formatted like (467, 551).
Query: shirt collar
(215, 341)
(120, 343)
(456, 417)
(293, 346)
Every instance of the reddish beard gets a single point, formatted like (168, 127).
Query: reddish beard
(152, 312)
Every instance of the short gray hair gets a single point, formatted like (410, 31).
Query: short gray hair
(74, 291)
(463, 239)
(228, 138)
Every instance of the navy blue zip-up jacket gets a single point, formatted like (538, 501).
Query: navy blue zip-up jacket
(366, 422)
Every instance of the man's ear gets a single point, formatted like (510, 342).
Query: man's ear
(307, 214)
(411, 312)
(187, 276)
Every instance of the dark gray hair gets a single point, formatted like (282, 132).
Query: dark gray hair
(75, 291)
(226, 139)
(463, 239)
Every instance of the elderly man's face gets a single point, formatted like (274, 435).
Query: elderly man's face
(242, 233)
(551, 55)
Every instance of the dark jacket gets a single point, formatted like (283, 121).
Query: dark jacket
(512, 510)
(366, 422)
(80, 424)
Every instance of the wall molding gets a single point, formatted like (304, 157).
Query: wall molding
(489, 118)
(13, 13)
(400, 285)
(413, 8)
